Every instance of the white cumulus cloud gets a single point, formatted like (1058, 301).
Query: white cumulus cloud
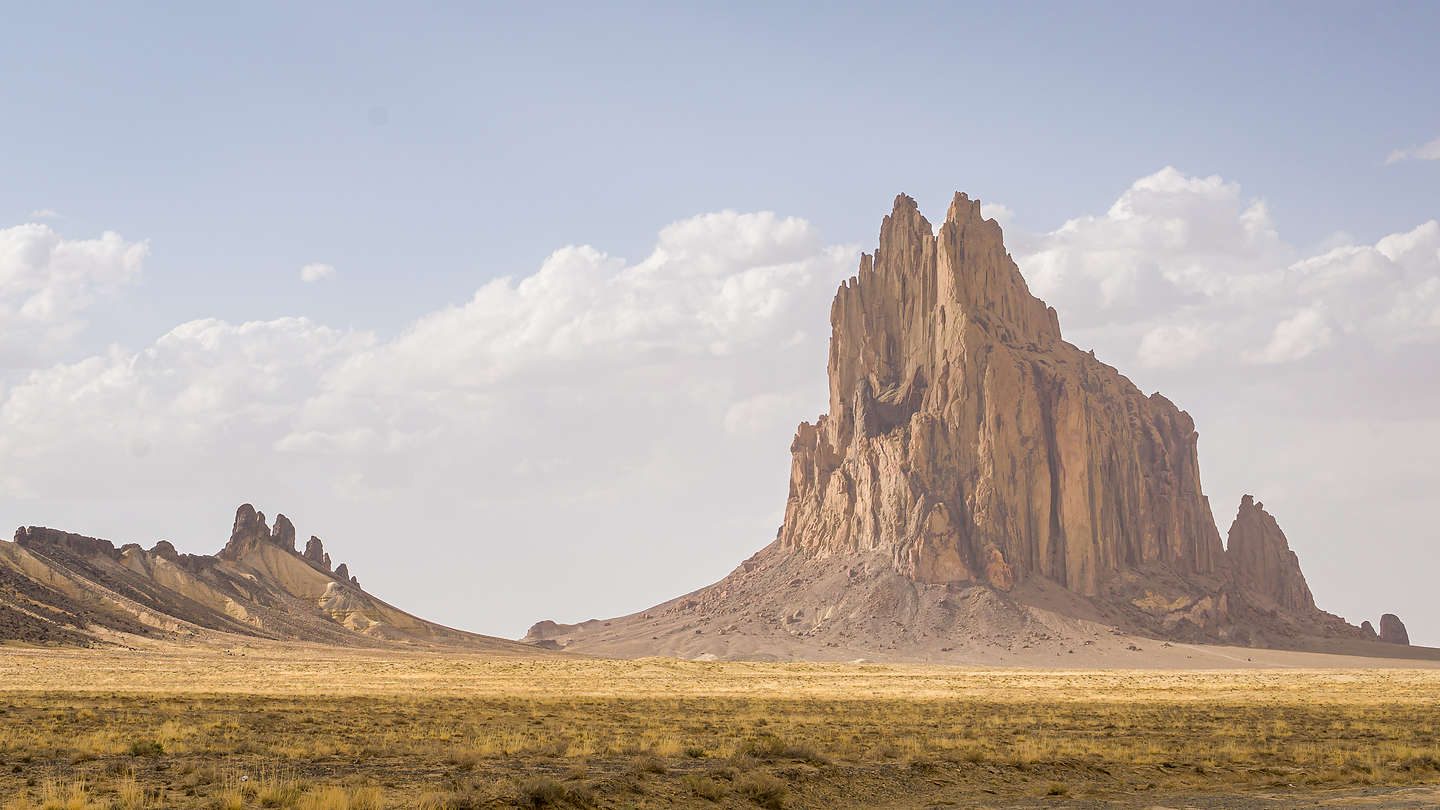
(1185, 271)
(1425, 151)
(47, 282)
(1296, 337)
(317, 272)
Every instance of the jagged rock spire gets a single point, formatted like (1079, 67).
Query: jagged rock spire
(315, 552)
(967, 439)
(1261, 560)
(284, 533)
(1393, 630)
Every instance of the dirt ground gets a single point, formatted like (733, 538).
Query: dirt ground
(270, 725)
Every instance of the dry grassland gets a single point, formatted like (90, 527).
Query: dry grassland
(300, 727)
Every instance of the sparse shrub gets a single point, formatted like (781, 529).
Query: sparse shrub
(704, 786)
(232, 799)
(581, 794)
(541, 791)
(55, 795)
(885, 750)
(276, 792)
(339, 798)
(647, 764)
(1057, 789)
(128, 794)
(971, 754)
(770, 747)
(762, 788)
(146, 748)
(695, 752)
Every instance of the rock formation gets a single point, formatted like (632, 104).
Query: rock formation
(1261, 560)
(1392, 630)
(284, 534)
(971, 444)
(315, 552)
(58, 587)
(248, 531)
(978, 480)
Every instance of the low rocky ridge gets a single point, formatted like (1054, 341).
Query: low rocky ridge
(63, 588)
(980, 486)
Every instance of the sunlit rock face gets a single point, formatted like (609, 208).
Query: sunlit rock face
(970, 442)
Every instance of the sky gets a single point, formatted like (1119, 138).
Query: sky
(518, 308)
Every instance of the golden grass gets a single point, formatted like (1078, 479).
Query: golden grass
(335, 730)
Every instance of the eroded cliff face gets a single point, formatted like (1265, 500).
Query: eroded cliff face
(1261, 560)
(59, 587)
(971, 443)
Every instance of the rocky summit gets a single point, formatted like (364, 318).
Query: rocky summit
(60, 588)
(980, 486)
(970, 443)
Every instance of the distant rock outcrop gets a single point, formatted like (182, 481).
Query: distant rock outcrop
(248, 531)
(284, 533)
(62, 588)
(1392, 630)
(315, 552)
(1261, 560)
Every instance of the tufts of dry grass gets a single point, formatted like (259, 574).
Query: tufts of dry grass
(664, 733)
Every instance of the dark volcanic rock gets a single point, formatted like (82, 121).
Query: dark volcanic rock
(1261, 560)
(249, 530)
(315, 552)
(284, 534)
(1368, 630)
(1392, 629)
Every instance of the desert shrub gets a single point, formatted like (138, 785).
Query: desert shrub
(580, 794)
(703, 786)
(1057, 789)
(541, 791)
(146, 748)
(762, 788)
(647, 764)
(340, 798)
(770, 747)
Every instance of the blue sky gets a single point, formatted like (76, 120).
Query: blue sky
(421, 151)
(1204, 191)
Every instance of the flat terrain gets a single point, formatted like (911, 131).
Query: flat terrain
(269, 725)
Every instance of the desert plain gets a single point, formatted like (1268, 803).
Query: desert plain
(251, 724)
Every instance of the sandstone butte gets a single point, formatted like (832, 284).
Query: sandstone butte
(967, 444)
